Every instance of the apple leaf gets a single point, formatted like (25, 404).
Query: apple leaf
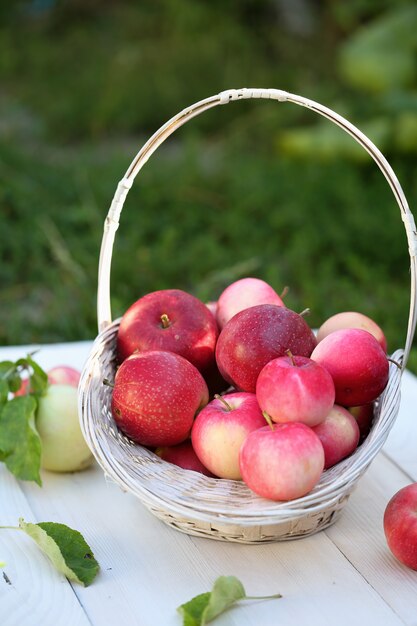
(4, 392)
(20, 444)
(227, 590)
(66, 548)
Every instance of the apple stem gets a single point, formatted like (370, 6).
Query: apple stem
(108, 383)
(268, 419)
(223, 401)
(395, 362)
(276, 595)
(305, 312)
(165, 320)
(284, 292)
(291, 357)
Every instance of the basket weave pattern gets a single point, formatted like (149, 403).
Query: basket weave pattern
(186, 500)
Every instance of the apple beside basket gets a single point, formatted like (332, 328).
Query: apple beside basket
(188, 501)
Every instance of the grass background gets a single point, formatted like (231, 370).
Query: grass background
(252, 188)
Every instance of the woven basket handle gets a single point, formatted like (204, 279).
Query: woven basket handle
(112, 219)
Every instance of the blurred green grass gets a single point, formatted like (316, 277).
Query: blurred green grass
(237, 192)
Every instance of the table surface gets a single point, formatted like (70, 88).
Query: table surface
(344, 574)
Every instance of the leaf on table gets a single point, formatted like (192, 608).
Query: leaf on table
(20, 444)
(205, 607)
(227, 590)
(66, 548)
(192, 611)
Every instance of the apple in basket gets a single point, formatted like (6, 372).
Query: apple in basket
(243, 294)
(282, 461)
(352, 319)
(295, 389)
(170, 320)
(220, 429)
(400, 525)
(184, 456)
(155, 397)
(255, 336)
(364, 415)
(357, 364)
(339, 435)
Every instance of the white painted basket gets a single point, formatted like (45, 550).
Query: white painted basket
(193, 503)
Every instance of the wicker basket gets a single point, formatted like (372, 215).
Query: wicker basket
(186, 500)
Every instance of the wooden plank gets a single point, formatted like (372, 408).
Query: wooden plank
(360, 537)
(31, 591)
(148, 569)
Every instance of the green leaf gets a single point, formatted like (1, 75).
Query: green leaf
(38, 377)
(6, 367)
(227, 590)
(20, 444)
(192, 611)
(4, 392)
(66, 548)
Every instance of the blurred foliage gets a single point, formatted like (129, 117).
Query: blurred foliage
(253, 188)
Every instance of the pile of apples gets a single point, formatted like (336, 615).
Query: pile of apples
(243, 389)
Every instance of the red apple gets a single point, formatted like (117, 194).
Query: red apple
(400, 525)
(169, 320)
(357, 364)
(156, 396)
(339, 435)
(257, 335)
(283, 462)
(352, 319)
(64, 375)
(220, 429)
(295, 389)
(364, 416)
(243, 294)
(184, 456)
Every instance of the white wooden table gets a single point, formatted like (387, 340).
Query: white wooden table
(344, 575)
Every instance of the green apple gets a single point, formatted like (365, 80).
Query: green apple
(63, 446)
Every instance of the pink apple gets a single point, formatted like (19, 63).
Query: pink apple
(64, 375)
(295, 389)
(170, 320)
(243, 294)
(400, 525)
(220, 429)
(364, 416)
(352, 319)
(184, 456)
(212, 307)
(339, 435)
(283, 462)
(257, 335)
(357, 364)
(156, 396)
